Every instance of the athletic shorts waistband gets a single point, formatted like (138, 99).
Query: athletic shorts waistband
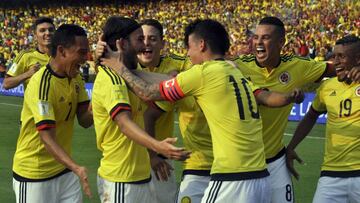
(240, 175)
(196, 172)
(340, 174)
(277, 156)
(24, 179)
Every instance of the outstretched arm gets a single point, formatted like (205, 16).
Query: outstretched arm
(301, 132)
(135, 133)
(147, 91)
(277, 99)
(14, 81)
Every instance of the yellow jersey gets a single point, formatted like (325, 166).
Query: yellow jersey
(24, 60)
(292, 72)
(195, 132)
(164, 126)
(122, 159)
(50, 101)
(226, 99)
(342, 147)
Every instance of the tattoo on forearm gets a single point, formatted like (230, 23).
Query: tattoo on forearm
(146, 91)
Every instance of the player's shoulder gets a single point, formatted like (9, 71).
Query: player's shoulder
(106, 75)
(175, 57)
(246, 58)
(25, 53)
(289, 57)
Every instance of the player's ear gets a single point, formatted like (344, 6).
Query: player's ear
(123, 44)
(60, 51)
(202, 45)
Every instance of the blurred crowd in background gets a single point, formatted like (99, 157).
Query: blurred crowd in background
(312, 26)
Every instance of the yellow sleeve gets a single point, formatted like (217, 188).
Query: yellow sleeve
(41, 105)
(116, 98)
(186, 83)
(318, 104)
(314, 70)
(19, 65)
(165, 105)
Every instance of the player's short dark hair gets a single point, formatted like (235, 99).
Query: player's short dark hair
(156, 24)
(117, 27)
(41, 20)
(65, 36)
(271, 20)
(212, 32)
(349, 39)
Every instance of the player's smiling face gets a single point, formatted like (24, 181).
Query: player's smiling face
(76, 56)
(44, 33)
(267, 45)
(150, 57)
(344, 59)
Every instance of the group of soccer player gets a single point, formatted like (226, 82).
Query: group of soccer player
(232, 115)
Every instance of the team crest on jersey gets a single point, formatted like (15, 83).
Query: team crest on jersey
(186, 199)
(357, 91)
(284, 78)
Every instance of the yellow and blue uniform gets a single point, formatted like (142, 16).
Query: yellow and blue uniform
(123, 160)
(226, 98)
(342, 147)
(50, 101)
(164, 126)
(292, 72)
(24, 60)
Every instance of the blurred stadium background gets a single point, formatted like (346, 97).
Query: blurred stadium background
(312, 28)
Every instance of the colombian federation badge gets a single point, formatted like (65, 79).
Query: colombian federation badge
(284, 78)
(357, 91)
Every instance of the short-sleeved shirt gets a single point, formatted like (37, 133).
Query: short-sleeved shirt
(122, 159)
(50, 101)
(195, 132)
(164, 125)
(226, 99)
(24, 60)
(292, 72)
(342, 103)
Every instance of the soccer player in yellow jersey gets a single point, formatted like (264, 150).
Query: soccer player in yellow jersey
(196, 138)
(267, 68)
(340, 99)
(124, 172)
(163, 185)
(28, 62)
(238, 173)
(43, 170)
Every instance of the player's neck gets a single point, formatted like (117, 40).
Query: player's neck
(57, 67)
(210, 57)
(43, 49)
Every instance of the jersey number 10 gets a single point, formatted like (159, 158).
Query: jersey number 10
(239, 100)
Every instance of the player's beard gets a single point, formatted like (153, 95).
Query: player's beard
(130, 60)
